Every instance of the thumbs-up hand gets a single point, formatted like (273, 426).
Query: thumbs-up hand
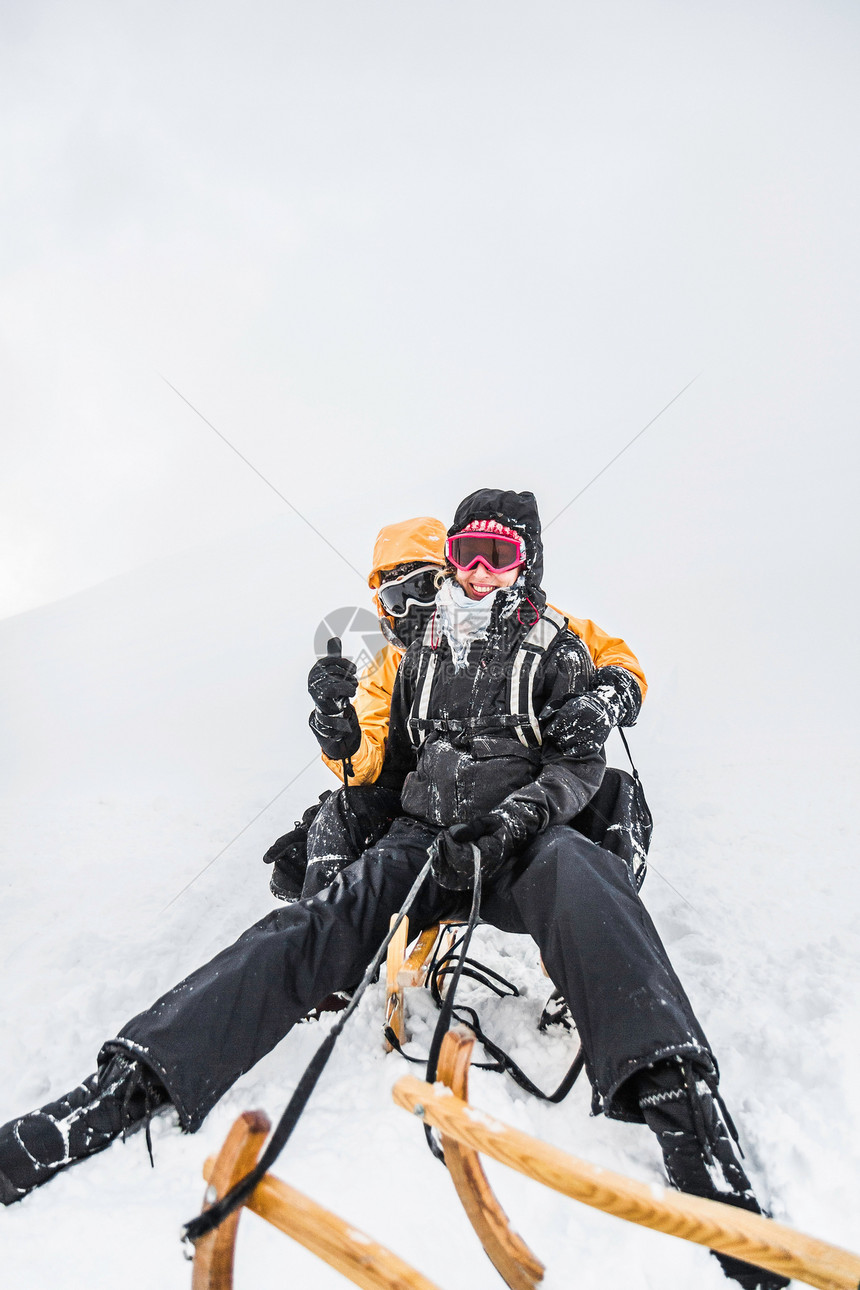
(332, 681)
(331, 685)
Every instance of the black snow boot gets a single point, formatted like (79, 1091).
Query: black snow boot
(681, 1105)
(122, 1096)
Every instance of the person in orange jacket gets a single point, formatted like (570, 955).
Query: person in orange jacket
(407, 557)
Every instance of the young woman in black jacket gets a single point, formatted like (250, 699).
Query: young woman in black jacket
(488, 716)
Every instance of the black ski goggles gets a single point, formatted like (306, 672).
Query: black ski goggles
(418, 588)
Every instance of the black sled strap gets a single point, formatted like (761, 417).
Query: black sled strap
(627, 750)
(444, 1022)
(211, 1218)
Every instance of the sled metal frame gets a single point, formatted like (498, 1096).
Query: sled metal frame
(466, 1131)
(357, 1257)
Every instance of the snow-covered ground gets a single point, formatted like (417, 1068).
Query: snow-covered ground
(146, 722)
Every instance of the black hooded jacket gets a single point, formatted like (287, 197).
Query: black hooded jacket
(472, 762)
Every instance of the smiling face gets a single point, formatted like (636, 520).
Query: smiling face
(479, 581)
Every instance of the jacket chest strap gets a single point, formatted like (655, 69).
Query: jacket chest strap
(417, 722)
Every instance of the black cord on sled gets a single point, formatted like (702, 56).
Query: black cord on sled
(503, 1062)
(444, 1022)
(445, 964)
(506, 1063)
(215, 1215)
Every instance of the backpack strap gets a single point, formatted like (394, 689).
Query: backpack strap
(521, 690)
(521, 713)
(416, 722)
(629, 754)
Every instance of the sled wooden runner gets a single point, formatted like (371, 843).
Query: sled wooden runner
(357, 1257)
(746, 1236)
(508, 1253)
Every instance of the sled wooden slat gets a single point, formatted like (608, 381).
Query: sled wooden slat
(402, 972)
(213, 1253)
(507, 1251)
(393, 993)
(746, 1236)
(357, 1257)
(414, 970)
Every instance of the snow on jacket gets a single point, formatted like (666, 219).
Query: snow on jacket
(424, 540)
(465, 770)
(469, 758)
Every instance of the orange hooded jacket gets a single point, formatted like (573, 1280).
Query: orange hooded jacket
(423, 540)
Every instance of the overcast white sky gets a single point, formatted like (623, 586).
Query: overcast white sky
(395, 251)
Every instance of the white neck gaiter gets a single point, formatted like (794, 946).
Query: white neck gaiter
(463, 621)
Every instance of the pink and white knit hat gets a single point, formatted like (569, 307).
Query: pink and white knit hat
(491, 526)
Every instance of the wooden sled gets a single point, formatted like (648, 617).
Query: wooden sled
(357, 1257)
(465, 1132)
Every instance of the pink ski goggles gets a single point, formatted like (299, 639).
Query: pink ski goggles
(496, 553)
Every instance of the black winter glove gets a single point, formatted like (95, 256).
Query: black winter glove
(289, 855)
(332, 683)
(582, 725)
(293, 846)
(497, 838)
(339, 737)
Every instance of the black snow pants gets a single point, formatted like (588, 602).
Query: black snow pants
(347, 823)
(576, 900)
